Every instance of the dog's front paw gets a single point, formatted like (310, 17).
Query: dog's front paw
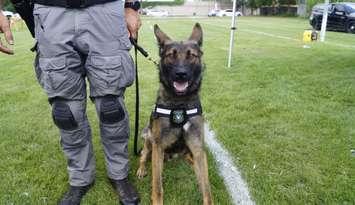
(141, 172)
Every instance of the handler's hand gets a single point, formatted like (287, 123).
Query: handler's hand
(133, 22)
(5, 28)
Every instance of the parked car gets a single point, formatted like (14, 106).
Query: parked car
(213, 12)
(8, 13)
(228, 12)
(16, 16)
(157, 13)
(341, 17)
(144, 11)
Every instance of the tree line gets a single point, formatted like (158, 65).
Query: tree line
(253, 4)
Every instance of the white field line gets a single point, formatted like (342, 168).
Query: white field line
(284, 37)
(232, 178)
(270, 35)
(295, 39)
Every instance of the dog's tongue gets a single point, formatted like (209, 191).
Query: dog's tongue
(181, 86)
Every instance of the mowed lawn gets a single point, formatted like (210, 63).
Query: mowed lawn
(285, 113)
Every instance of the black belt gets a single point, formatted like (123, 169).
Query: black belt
(73, 4)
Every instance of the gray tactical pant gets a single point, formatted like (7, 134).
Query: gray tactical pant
(75, 45)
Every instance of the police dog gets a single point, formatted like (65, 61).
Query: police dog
(176, 123)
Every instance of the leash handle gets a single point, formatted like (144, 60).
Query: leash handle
(137, 47)
(141, 50)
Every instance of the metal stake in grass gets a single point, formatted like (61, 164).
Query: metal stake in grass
(324, 21)
(231, 42)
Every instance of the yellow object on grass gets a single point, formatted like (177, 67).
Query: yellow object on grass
(309, 35)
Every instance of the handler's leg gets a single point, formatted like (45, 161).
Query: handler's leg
(70, 118)
(114, 127)
(59, 69)
(110, 70)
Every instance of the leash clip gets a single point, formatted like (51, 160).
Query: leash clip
(141, 50)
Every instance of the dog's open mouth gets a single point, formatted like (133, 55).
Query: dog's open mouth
(180, 87)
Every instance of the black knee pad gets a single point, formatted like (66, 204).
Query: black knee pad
(63, 117)
(111, 110)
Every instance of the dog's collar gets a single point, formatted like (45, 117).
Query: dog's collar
(178, 115)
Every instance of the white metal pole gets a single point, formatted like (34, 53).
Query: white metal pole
(231, 42)
(324, 21)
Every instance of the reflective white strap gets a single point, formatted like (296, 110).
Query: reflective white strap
(167, 112)
(192, 111)
(163, 111)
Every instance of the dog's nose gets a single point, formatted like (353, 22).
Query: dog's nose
(181, 75)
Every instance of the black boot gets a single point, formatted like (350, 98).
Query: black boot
(126, 191)
(74, 195)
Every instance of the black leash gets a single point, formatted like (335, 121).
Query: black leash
(142, 51)
(135, 148)
(136, 124)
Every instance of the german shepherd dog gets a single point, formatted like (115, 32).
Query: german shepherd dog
(176, 124)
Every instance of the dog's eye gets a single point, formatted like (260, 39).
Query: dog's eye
(190, 54)
(174, 53)
(171, 54)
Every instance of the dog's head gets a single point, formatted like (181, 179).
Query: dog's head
(180, 62)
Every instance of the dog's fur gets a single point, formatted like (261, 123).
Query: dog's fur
(180, 73)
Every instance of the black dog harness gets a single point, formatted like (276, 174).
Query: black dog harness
(178, 115)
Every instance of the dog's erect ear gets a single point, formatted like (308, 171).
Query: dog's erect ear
(197, 34)
(160, 35)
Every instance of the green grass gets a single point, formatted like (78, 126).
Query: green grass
(285, 113)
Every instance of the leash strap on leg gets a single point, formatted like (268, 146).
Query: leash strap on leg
(146, 55)
(135, 148)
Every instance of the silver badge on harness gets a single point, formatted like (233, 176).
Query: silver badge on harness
(178, 117)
